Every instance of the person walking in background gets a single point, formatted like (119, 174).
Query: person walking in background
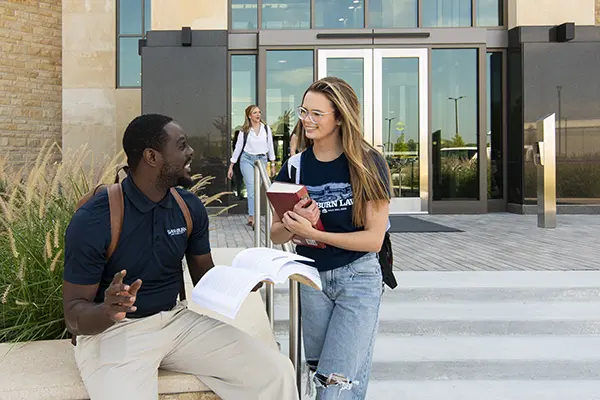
(349, 186)
(255, 142)
(237, 180)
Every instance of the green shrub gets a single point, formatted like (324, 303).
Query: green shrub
(35, 209)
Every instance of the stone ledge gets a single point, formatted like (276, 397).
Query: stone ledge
(46, 370)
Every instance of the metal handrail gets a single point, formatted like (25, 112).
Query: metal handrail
(261, 177)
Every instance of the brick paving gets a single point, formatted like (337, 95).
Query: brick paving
(489, 242)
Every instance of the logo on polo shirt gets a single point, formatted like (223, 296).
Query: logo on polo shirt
(177, 231)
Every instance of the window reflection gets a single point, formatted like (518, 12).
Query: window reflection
(446, 13)
(130, 17)
(393, 13)
(244, 14)
(289, 73)
(352, 70)
(553, 83)
(134, 22)
(339, 14)
(286, 14)
(489, 12)
(243, 93)
(130, 62)
(400, 109)
(494, 126)
(454, 106)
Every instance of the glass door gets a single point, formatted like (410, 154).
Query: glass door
(400, 118)
(391, 85)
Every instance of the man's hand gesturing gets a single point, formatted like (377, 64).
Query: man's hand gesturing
(119, 297)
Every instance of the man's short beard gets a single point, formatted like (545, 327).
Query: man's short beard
(169, 178)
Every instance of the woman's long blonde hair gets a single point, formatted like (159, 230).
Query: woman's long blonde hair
(364, 160)
(247, 122)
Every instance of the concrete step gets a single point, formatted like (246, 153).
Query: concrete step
(476, 335)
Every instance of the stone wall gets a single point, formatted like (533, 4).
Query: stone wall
(30, 77)
(597, 12)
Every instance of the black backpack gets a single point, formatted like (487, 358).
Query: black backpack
(385, 255)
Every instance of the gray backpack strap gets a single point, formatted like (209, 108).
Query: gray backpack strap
(293, 164)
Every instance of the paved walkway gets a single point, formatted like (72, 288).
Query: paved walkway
(488, 242)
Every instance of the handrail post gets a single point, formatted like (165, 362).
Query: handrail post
(261, 178)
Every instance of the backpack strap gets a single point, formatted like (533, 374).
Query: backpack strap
(294, 163)
(185, 210)
(117, 212)
(189, 226)
(245, 141)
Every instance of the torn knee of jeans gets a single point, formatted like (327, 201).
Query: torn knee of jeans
(312, 365)
(334, 380)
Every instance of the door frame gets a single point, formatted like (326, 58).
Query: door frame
(372, 129)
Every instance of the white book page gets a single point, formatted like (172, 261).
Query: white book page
(223, 289)
(292, 268)
(265, 260)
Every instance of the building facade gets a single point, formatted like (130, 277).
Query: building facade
(450, 89)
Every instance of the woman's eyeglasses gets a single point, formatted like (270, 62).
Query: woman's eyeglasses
(314, 116)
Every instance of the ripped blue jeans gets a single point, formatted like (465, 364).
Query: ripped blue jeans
(339, 328)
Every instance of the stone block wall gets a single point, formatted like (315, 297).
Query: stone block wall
(30, 77)
(597, 12)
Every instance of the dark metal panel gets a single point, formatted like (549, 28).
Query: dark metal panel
(199, 38)
(190, 85)
(545, 34)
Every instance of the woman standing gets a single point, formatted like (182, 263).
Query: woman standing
(349, 185)
(254, 142)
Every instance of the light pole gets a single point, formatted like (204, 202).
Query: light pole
(456, 99)
(389, 143)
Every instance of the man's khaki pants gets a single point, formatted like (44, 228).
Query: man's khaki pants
(123, 361)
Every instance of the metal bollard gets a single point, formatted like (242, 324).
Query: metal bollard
(545, 160)
(261, 178)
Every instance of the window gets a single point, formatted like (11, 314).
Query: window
(244, 14)
(350, 14)
(243, 93)
(393, 13)
(454, 117)
(289, 74)
(339, 14)
(446, 13)
(133, 21)
(286, 14)
(243, 86)
(489, 12)
(495, 124)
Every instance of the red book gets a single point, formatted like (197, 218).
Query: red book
(283, 197)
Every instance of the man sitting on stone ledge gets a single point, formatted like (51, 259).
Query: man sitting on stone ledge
(124, 311)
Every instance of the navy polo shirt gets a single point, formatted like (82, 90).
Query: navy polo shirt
(151, 247)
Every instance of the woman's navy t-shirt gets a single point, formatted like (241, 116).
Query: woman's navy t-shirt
(328, 183)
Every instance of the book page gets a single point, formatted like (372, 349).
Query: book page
(265, 260)
(302, 273)
(223, 289)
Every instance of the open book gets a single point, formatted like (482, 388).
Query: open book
(223, 288)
